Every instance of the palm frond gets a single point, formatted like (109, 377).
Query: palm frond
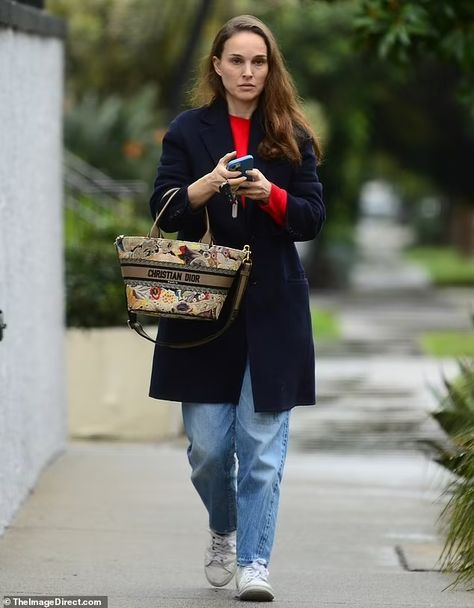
(456, 417)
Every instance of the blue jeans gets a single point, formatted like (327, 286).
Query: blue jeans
(237, 458)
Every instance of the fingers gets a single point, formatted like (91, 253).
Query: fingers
(220, 174)
(235, 182)
(255, 176)
(221, 168)
(258, 188)
(253, 173)
(253, 187)
(227, 157)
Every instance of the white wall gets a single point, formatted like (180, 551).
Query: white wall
(32, 386)
(108, 376)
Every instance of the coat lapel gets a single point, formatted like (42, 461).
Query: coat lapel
(256, 135)
(272, 169)
(215, 132)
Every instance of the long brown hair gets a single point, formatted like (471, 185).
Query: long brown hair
(284, 121)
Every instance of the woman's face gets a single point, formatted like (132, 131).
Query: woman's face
(243, 66)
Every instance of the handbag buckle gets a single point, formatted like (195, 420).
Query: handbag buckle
(247, 253)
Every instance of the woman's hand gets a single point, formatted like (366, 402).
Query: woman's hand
(220, 174)
(258, 189)
(200, 191)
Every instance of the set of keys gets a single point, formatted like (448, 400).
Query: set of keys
(230, 197)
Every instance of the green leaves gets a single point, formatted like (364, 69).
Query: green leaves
(95, 294)
(392, 26)
(456, 417)
(443, 28)
(116, 134)
(116, 45)
(410, 31)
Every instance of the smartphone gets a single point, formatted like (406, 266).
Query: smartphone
(242, 164)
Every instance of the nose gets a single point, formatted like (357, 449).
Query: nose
(248, 69)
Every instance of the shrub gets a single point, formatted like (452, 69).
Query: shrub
(95, 295)
(456, 417)
(444, 265)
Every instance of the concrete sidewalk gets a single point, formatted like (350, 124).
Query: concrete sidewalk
(123, 520)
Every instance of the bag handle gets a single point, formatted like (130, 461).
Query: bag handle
(155, 230)
(243, 279)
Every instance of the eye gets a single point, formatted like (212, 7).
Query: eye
(260, 62)
(235, 60)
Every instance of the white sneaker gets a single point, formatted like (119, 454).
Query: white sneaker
(252, 584)
(219, 560)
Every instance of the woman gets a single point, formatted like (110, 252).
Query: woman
(237, 391)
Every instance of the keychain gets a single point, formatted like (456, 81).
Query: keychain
(230, 197)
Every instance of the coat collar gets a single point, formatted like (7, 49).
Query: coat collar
(216, 132)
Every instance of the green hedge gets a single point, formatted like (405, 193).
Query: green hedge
(448, 343)
(95, 295)
(444, 265)
(325, 324)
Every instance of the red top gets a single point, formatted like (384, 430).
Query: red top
(276, 207)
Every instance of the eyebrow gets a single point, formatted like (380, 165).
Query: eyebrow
(254, 57)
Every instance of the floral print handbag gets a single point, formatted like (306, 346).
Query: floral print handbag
(180, 279)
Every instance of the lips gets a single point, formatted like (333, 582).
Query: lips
(246, 86)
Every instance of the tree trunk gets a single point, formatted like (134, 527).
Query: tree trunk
(188, 57)
(462, 229)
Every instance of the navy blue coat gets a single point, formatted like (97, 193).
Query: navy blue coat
(273, 328)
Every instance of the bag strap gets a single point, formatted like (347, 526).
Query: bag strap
(155, 230)
(242, 281)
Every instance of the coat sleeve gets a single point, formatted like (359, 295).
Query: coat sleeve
(174, 171)
(305, 211)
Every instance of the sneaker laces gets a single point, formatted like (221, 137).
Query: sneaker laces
(255, 570)
(221, 546)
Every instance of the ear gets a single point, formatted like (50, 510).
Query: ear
(217, 65)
